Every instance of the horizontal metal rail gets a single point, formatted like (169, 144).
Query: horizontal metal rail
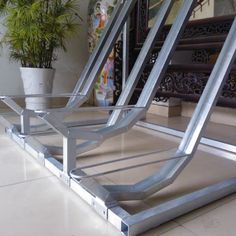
(104, 198)
(100, 199)
(99, 134)
(122, 159)
(178, 133)
(142, 221)
(88, 109)
(43, 129)
(166, 153)
(46, 95)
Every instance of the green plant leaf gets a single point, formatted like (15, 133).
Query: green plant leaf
(36, 29)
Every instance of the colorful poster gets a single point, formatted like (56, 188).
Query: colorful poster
(99, 13)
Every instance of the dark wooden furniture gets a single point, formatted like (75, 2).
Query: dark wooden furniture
(202, 40)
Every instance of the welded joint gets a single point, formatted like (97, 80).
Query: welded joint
(99, 207)
(77, 103)
(19, 140)
(41, 158)
(65, 178)
(28, 111)
(25, 121)
(8, 131)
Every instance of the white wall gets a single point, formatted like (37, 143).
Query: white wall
(68, 67)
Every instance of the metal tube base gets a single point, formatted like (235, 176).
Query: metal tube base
(153, 217)
(102, 201)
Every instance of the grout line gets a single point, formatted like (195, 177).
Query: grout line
(188, 230)
(180, 225)
(167, 230)
(26, 181)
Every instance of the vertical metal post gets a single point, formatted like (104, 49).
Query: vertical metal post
(125, 54)
(25, 122)
(69, 154)
(125, 64)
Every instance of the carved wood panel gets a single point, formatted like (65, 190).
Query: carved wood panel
(203, 37)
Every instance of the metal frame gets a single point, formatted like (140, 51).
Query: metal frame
(105, 199)
(85, 84)
(125, 56)
(119, 125)
(94, 138)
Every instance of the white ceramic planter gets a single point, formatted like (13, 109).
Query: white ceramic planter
(37, 81)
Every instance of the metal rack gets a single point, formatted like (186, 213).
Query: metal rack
(105, 199)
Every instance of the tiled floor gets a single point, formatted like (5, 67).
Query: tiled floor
(34, 202)
(224, 133)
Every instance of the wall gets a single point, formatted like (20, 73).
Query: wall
(225, 7)
(68, 67)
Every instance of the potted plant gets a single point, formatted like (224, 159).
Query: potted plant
(35, 31)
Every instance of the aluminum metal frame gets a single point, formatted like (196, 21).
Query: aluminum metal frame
(142, 59)
(99, 198)
(104, 199)
(113, 28)
(117, 126)
(125, 49)
(95, 138)
(89, 75)
(193, 134)
(186, 148)
(120, 125)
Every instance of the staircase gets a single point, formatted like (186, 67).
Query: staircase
(185, 79)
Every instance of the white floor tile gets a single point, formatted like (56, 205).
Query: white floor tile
(16, 165)
(179, 231)
(48, 208)
(162, 229)
(32, 202)
(217, 222)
